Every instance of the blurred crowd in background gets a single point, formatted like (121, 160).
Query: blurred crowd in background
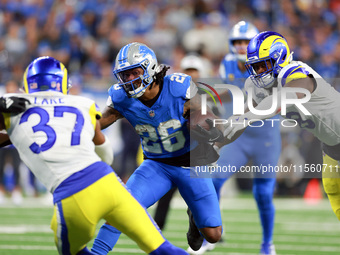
(86, 35)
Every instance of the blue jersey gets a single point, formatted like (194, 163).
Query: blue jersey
(231, 74)
(162, 128)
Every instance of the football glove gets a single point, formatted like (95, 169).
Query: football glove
(13, 104)
(235, 124)
(204, 154)
(202, 135)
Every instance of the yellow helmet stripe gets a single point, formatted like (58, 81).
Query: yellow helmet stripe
(25, 81)
(267, 43)
(64, 84)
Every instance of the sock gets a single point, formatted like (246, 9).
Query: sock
(106, 239)
(263, 193)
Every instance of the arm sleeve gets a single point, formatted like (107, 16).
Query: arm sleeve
(267, 108)
(105, 152)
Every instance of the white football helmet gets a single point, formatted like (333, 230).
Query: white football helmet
(131, 56)
(241, 31)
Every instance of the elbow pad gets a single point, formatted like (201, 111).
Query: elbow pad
(105, 152)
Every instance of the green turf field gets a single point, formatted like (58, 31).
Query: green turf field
(300, 228)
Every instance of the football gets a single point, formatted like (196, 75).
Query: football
(196, 117)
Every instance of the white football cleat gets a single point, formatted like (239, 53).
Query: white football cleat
(17, 197)
(267, 249)
(2, 197)
(206, 246)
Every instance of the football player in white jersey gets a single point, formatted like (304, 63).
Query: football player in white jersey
(58, 137)
(270, 64)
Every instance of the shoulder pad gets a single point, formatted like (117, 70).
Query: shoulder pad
(248, 84)
(180, 85)
(290, 72)
(258, 93)
(230, 57)
(116, 93)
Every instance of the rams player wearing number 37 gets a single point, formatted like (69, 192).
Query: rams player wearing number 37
(156, 105)
(270, 64)
(58, 137)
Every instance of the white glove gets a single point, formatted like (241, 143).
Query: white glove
(235, 124)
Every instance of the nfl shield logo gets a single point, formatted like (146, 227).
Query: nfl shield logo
(152, 113)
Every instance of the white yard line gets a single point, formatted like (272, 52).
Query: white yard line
(24, 229)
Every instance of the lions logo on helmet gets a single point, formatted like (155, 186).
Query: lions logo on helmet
(241, 31)
(46, 73)
(271, 50)
(130, 57)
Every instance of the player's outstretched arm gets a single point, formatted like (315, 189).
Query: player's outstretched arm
(13, 104)
(103, 146)
(235, 126)
(109, 116)
(4, 138)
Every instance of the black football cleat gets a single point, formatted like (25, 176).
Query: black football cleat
(195, 239)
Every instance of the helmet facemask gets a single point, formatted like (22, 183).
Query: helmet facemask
(266, 78)
(136, 87)
(242, 31)
(236, 48)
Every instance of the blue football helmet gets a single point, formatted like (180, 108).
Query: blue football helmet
(132, 56)
(271, 50)
(241, 31)
(46, 73)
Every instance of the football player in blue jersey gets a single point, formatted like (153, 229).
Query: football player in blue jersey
(192, 65)
(59, 138)
(156, 105)
(261, 145)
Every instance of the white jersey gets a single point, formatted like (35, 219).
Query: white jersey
(54, 135)
(324, 105)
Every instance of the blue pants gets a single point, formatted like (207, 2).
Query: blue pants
(152, 180)
(263, 147)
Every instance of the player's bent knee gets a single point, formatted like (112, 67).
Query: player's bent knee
(337, 213)
(331, 186)
(212, 235)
